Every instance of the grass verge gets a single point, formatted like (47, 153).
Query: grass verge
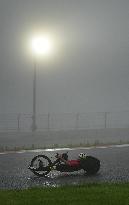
(105, 194)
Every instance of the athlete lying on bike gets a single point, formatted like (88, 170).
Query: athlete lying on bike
(41, 165)
(71, 163)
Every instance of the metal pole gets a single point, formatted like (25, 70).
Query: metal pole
(48, 121)
(77, 120)
(105, 120)
(34, 127)
(18, 122)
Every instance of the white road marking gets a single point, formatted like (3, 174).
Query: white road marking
(62, 149)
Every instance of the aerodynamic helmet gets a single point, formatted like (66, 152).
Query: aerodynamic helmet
(82, 155)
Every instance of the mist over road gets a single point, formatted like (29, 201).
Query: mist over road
(62, 138)
(15, 175)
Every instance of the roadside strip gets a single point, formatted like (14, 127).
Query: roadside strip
(62, 149)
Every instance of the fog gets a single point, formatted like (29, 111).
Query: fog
(89, 71)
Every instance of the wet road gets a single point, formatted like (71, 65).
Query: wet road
(15, 175)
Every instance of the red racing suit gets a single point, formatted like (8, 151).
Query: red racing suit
(73, 163)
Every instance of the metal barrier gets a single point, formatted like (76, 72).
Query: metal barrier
(65, 121)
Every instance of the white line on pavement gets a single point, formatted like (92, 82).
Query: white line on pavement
(61, 149)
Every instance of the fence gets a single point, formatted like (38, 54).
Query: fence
(65, 121)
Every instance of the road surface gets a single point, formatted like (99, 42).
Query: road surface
(15, 175)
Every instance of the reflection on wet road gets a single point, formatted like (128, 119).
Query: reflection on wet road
(15, 175)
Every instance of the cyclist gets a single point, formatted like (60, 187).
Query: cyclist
(72, 163)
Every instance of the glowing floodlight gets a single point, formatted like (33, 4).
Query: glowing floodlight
(41, 45)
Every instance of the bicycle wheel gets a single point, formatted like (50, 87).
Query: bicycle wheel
(91, 165)
(41, 165)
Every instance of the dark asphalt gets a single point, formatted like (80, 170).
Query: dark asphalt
(15, 175)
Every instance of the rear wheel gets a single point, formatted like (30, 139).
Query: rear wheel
(41, 165)
(91, 165)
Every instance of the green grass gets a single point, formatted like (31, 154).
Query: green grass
(99, 194)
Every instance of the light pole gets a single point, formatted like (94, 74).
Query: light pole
(34, 126)
(41, 45)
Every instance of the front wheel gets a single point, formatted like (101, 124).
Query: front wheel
(41, 165)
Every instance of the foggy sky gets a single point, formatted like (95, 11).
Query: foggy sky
(90, 70)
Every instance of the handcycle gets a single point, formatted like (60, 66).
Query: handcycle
(41, 165)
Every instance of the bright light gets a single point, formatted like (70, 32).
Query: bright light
(41, 45)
